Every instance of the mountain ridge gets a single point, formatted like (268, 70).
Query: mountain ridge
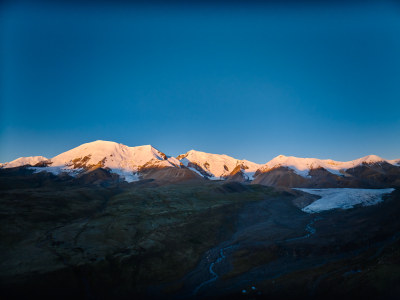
(139, 162)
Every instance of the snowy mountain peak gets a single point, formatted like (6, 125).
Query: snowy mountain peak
(121, 159)
(302, 166)
(369, 159)
(109, 154)
(395, 162)
(216, 166)
(23, 161)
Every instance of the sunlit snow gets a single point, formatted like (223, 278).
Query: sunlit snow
(120, 159)
(302, 166)
(115, 156)
(23, 161)
(343, 198)
(218, 165)
(127, 161)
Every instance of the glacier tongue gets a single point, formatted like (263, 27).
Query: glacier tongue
(344, 198)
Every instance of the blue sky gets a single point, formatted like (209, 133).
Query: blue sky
(249, 80)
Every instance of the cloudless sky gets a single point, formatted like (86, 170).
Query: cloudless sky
(250, 80)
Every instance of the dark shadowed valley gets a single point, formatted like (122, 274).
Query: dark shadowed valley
(100, 238)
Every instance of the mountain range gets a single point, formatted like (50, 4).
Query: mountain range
(103, 160)
(108, 221)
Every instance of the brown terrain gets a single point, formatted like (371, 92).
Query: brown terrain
(175, 235)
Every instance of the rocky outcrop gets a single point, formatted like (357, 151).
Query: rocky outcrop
(280, 176)
(171, 175)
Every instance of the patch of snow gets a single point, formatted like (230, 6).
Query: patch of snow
(344, 198)
(185, 161)
(249, 175)
(57, 170)
(250, 168)
(194, 170)
(128, 176)
(395, 162)
(174, 162)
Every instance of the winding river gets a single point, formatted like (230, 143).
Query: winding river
(222, 256)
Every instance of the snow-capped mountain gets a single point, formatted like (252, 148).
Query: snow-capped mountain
(24, 161)
(146, 162)
(302, 166)
(123, 160)
(368, 171)
(120, 159)
(395, 162)
(217, 166)
(114, 156)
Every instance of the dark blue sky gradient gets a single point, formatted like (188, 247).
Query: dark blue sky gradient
(249, 80)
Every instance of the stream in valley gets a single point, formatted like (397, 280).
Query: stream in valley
(271, 223)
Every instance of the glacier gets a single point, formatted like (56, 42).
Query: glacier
(343, 198)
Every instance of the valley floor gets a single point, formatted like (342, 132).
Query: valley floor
(215, 240)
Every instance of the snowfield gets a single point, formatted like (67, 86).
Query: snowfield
(302, 166)
(218, 165)
(343, 198)
(22, 161)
